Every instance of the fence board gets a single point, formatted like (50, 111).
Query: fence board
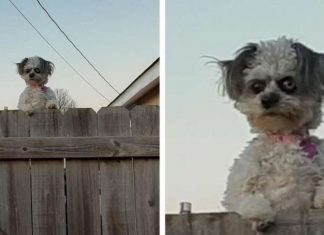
(15, 198)
(14, 123)
(83, 206)
(113, 121)
(48, 198)
(145, 122)
(78, 147)
(118, 208)
(117, 190)
(79, 122)
(147, 195)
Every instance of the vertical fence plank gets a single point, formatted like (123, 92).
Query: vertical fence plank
(116, 177)
(82, 177)
(83, 206)
(145, 122)
(14, 123)
(15, 191)
(48, 197)
(15, 201)
(79, 122)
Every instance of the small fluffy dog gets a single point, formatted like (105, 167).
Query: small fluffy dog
(278, 86)
(35, 71)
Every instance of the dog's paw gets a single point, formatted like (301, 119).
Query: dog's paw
(51, 106)
(262, 225)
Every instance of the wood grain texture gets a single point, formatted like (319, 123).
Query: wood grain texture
(117, 197)
(117, 189)
(79, 122)
(113, 121)
(48, 196)
(146, 173)
(48, 199)
(83, 205)
(78, 147)
(145, 121)
(14, 123)
(15, 198)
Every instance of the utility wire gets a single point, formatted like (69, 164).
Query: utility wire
(58, 53)
(80, 52)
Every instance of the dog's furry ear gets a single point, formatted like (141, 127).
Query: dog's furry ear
(47, 66)
(310, 69)
(21, 65)
(232, 70)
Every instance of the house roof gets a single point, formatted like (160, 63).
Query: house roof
(142, 84)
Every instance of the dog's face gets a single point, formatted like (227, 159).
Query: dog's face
(35, 70)
(277, 84)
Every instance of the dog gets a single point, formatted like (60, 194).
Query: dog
(278, 85)
(35, 71)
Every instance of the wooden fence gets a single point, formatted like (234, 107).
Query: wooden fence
(81, 173)
(232, 224)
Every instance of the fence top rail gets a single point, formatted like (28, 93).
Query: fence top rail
(78, 147)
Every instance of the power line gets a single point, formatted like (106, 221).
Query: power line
(80, 52)
(58, 53)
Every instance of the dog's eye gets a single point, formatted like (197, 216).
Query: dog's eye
(287, 84)
(37, 70)
(258, 86)
(27, 70)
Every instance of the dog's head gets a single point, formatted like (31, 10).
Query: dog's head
(35, 70)
(277, 84)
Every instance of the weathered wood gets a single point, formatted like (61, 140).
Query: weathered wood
(146, 173)
(79, 122)
(78, 147)
(145, 121)
(117, 188)
(45, 123)
(113, 121)
(48, 199)
(48, 196)
(311, 223)
(14, 123)
(117, 198)
(15, 198)
(83, 205)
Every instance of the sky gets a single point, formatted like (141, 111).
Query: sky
(204, 133)
(121, 38)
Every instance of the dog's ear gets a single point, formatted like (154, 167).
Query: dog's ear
(232, 70)
(21, 65)
(47, 66)
(310, 69)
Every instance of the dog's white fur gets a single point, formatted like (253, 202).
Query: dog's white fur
(269, 177)
(33, 98)
(36, 95)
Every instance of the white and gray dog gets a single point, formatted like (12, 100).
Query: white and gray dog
(35, 71)
(278, 86)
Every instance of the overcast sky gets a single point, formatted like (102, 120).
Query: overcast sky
(203, 131)
(121, 38)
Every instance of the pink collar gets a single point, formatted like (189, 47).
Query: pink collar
(304, 142)
(43, 88)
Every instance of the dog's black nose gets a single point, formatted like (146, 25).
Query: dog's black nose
(31, 75)
(269, 100)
